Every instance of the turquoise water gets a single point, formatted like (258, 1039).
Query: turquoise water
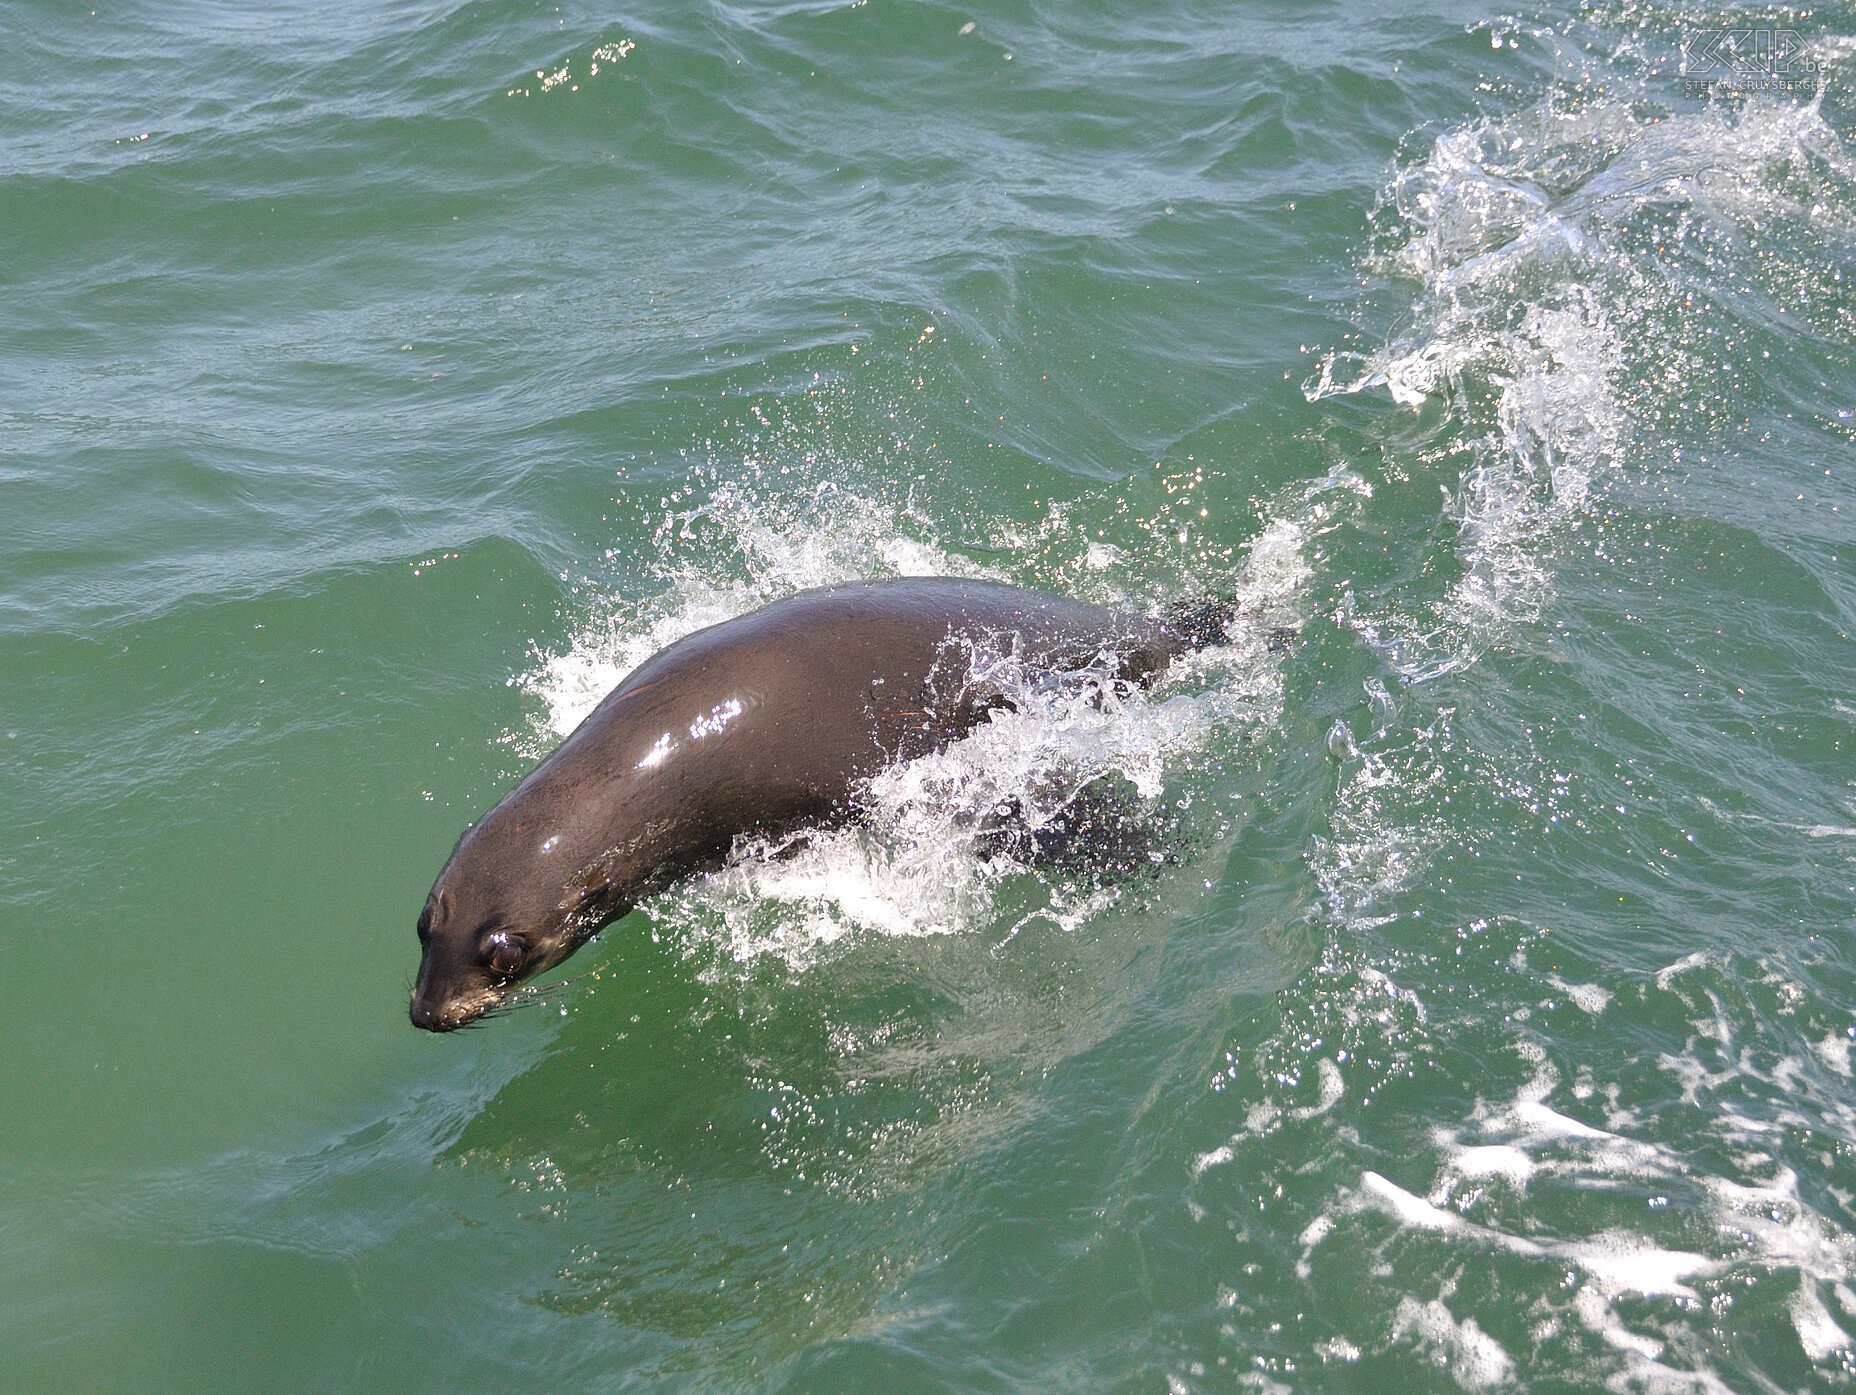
(379, 382)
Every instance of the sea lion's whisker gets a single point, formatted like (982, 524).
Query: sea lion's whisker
(529, 997)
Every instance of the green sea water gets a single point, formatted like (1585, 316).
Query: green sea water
(379, 382)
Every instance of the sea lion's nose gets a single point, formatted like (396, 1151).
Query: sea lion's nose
(429, 1016)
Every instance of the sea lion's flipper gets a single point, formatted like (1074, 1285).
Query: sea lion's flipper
(1202, 624)
(1199, 624)
(1105, 828)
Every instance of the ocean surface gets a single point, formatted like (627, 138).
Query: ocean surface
(380, 381)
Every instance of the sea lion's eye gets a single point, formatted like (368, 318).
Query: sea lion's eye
(505, 956)
(425, 925)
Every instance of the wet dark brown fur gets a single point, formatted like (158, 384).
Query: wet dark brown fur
(760, 725)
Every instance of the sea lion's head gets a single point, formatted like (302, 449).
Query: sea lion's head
(516, 898)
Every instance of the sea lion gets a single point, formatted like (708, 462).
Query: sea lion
(760, 725)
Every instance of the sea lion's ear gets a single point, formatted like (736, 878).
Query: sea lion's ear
(587, 887)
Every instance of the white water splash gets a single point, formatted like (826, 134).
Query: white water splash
(1530, 308)
(920, 863)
